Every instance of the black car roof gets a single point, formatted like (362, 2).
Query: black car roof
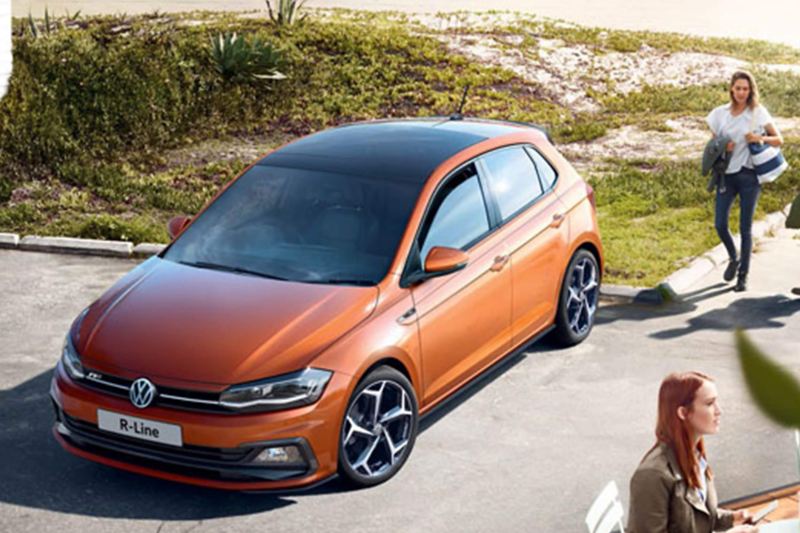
(397, 150)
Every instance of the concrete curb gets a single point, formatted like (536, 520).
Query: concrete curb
(628, 294)
(9, 240)
(671, 288)
(70, 245)
(680, 280)
(76, 246)
(147, 249)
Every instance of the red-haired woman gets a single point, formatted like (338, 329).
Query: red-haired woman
(672, 490)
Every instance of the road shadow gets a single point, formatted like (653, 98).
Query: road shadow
(38, 473)
(687, 303)
(749, 313)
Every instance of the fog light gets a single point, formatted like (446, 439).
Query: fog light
(280, 455)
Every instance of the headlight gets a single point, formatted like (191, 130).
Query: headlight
(69, 355)
(283, 392)
(70, 359)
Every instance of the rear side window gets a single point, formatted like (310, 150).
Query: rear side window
(546, 171)
(513, 180)
(459, 214)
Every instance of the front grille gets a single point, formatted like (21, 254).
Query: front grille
(166, 397)
(185, 452)
(229, 464)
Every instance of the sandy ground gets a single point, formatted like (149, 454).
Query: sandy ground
(685, 141)
(725, 18)
(568, 72)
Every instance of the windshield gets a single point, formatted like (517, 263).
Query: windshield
(300, 225)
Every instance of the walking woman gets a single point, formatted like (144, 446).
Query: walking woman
(672, 490)
(744, 121)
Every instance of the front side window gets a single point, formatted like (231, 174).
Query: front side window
(459, 216)
(513, 180)
(301, 225)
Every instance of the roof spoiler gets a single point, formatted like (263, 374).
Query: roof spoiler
(533, 125)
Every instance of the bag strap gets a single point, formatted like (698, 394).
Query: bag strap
(753, 119)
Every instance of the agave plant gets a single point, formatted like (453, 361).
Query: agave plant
(33, 27)
(51, 24)
(285, 12)
(236, 58)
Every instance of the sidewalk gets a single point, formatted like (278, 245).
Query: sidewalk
(711, 303)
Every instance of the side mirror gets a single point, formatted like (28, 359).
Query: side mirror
(176, 225)
(442, 260)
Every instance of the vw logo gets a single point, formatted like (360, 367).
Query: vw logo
(142, 393)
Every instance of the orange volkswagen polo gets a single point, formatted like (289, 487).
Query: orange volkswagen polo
(337, 290)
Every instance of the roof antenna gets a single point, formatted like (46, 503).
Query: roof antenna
(457, 115)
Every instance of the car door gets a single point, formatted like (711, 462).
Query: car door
(464, 318)
(534, 228)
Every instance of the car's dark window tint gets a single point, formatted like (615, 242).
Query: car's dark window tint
(458, 217)
(301, 225)
(513, 180)
(547, 173)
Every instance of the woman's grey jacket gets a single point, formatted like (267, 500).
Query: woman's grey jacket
(715, 159)
(663, 502)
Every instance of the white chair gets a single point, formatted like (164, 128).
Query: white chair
(797, 444)
(606, 512)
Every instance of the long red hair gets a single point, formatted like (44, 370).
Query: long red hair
(679, 390)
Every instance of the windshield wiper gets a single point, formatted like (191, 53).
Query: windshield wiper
(362, 282)
(226, 268)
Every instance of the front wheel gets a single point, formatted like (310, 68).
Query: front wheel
(577, 303)
(379, 428)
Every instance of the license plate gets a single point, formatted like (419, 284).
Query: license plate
(139, 428)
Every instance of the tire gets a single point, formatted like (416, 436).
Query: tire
(382, 392)
(579, 294)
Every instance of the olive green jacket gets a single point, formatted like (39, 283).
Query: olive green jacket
(662, 502)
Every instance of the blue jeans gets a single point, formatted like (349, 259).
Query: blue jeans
(744, 184)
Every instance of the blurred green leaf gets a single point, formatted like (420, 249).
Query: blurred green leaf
(775, 391)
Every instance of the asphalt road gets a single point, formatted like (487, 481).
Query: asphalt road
(526, 449)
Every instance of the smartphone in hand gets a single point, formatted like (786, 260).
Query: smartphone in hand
(762, 513)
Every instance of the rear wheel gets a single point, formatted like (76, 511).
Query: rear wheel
(379, 428)
(578, 300)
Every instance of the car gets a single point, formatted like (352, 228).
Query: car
(337, 290)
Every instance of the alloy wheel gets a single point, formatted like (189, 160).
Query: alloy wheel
(582, 296)
(377, 429)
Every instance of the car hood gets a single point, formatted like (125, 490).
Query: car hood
(192, 327)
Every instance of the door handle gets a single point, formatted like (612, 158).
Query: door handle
(408, 317)
(558, 219)
(499, 262)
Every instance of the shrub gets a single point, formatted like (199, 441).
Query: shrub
(237, 58)
(105, 226)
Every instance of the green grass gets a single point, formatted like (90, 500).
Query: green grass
(656, 215)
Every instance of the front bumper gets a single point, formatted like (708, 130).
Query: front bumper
(217, 449)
